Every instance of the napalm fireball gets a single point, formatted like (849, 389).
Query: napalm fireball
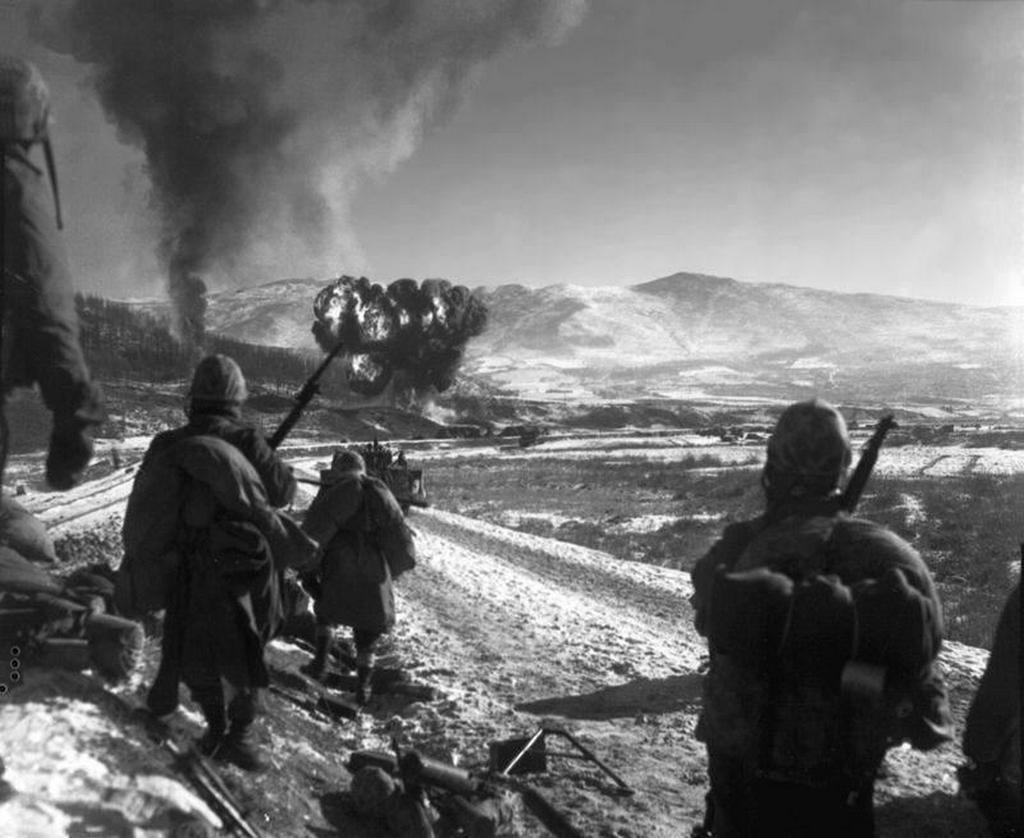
(417, 332)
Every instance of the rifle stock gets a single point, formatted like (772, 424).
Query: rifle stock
(304, 397)
(859, 479)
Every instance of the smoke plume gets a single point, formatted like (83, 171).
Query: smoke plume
(259, 118)
(411, 335)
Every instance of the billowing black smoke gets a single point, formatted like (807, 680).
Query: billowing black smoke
(411, 335)
(259, 118)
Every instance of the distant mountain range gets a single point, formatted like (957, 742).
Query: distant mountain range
(693, 337)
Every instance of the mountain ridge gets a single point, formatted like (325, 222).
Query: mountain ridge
(776, 339)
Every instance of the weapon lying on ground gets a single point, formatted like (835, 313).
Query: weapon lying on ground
(199, 771)
(304, 397)
(522, 756)
(475, 801)
(859, 479)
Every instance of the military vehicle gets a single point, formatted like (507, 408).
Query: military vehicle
(389, 465)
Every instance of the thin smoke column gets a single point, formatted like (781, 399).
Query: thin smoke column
(259, 119)
(413, 334)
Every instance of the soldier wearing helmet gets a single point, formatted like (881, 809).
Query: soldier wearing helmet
(39, 322)
(823, 631)
(225, 605)
(366, 544)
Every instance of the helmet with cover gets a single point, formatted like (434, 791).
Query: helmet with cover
(25, 114)
(808, 452)
(24, 101)
(218, 382)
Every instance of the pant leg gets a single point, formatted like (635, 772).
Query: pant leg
(366, 645)
(242, 706)
(730, 797)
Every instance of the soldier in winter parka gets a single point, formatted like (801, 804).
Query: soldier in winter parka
(992, 732)
(224, 605)
(40, 323)
(823, 631)
(366, 543)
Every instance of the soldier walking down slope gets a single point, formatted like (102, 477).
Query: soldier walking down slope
(224, 601)
(823, 631)
(366, 544)
(37, 302)
(992, 733)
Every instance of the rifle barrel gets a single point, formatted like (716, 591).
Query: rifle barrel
(304, 397)
(859, 479)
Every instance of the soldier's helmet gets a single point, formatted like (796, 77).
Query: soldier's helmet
(345, 461)
(808, 452)
(24, 101)
(218, 380)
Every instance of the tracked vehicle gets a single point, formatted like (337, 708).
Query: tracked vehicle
(389, 465)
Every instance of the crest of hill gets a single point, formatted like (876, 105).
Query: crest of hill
(695, 317)
(691, 323)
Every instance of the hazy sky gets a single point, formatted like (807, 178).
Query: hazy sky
(857, 146)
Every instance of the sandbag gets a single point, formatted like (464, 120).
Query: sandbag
(19, 575)
(24, 533)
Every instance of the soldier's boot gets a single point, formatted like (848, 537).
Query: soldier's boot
(240, 748)
(318, 665)
(216, 723)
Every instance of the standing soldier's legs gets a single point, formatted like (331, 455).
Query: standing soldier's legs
(366, 648)
(322, 646)
(210, 698)
(730, 797)
(240, 745)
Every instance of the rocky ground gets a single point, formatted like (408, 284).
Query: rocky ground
(512, 631)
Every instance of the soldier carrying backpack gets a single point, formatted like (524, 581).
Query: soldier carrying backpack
(823, 631)
(366, 545)
(199, 536)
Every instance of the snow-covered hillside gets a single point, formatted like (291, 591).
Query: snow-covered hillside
(692, 336)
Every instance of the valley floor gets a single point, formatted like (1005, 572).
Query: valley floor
(515, 631)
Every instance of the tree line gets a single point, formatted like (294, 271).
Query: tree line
(122, 343)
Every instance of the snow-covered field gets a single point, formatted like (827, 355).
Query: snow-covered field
(513, 630)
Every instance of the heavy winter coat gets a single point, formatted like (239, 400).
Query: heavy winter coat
(790, 604)
(225, 602)
(992, 732)
(356, 580)
(40, 325)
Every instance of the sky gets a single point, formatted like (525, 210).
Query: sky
(855, 146)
